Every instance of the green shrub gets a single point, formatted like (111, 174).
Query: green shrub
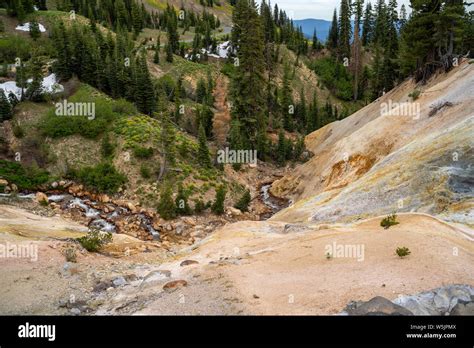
(389, 221)
(244, 201)
(107, 147)
(95, 240)
(335, 77)
(415, 94)
(218, 205)
(199, 206)
(182, 206)
(102, 178)
(403, 251)
(18, 131)
(124, 107)
(57, 126)
(166, 207)
(70, 254)
(143, 152)
(26, 178)
(145, 171)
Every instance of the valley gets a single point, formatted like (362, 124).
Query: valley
(209, 158)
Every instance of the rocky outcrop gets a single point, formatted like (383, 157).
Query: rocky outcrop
(374, 163)
(440, 301)
(376, 306)
(448, 300)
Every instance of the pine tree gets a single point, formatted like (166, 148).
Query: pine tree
(403, 17)
(169, 53)
(333, 38)
(367, 26)
(218, 205)
(281, 148)
(315, 44)
(204, 156)
(35, 32)
(144, 90)
(345, 29)
(156, 58)
(182, 206)
(244, 201)
(166, 207)
(249, 81)
(35, 91)
(6, 111)
(287, 100)
(356, 61)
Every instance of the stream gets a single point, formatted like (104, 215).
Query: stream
(273, 203)
(102, 217)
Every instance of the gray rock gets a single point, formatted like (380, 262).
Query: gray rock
(75, 311)
(440, 301)
(119, 281)
(155, 278)
(463, 308)
(376, 306)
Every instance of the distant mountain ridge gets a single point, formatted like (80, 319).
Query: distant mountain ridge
(322, 27)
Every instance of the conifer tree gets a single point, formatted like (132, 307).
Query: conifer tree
(35, 91)
(333, 38)
(6, 112)
(144, 90)
(218, 205)
(35, 32)
(249, 82)
(244, 201)
(182, 206)
(287, 100)
(166, 207)
(367, 26)
(345, 29)
(281, 148)
(204, 156)
(156, 58)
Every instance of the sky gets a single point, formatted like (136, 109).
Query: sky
(318, 9)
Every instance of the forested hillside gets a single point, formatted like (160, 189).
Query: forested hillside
(175, 84)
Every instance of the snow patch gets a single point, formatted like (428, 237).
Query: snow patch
(50, 85)
(26, 27)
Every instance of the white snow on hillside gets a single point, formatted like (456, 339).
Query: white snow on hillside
(222, 51)
(50, 85)
(26, 27)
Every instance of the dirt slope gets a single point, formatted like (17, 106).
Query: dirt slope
(372, 164)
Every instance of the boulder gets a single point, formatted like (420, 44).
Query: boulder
(119, 281)
(174, 285)
(41, 197)
(376, 306)
(104, 198)
(463, 308)
(188, 263)
(231, 211)
(3, 182)
(14, 188)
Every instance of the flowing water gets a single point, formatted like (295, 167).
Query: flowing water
(92, 210)
(274, 204)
